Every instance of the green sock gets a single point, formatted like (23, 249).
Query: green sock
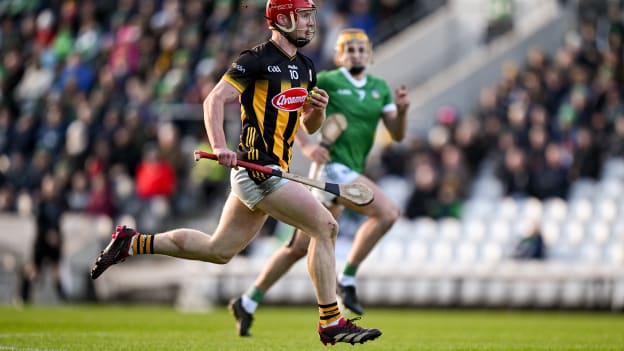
(350, 270)
(255, 294)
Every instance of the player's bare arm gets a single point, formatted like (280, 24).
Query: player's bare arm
(396, 121)
(310, 149)
(222, 93)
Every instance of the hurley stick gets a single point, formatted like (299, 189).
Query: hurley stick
(357, 193)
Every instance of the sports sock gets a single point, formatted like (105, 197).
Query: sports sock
(255, 294)
(249, 305)
(142, 244)
(329, 315)
(347, 278)
(251, 299)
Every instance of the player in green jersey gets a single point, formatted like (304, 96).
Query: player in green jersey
(364, 100)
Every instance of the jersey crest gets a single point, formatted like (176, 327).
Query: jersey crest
(290, 100)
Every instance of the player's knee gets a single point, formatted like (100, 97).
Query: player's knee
(327, 230)
(332, 229)
(221, 258)
(389, 215)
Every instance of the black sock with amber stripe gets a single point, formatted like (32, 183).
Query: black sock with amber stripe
(142, 244)
(329, 314)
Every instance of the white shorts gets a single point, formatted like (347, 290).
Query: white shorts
(335, 173)
(248, 191)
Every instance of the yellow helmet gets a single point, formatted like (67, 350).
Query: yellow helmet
(352, 34)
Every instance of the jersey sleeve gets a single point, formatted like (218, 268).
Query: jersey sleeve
(388, 101)
(242, 72)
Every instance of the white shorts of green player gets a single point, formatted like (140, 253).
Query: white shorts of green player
(336, 173)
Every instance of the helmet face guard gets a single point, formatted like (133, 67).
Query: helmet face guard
(349, 39)
(293, 10)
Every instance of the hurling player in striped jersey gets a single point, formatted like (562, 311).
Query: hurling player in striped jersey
(364, 100)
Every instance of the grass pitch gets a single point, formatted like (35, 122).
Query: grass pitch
(55, 328)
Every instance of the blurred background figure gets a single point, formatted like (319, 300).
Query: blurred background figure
(48, 240)
(531, 246)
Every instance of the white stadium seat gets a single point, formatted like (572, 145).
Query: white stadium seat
(580, 209)
(555, 209)
(531, 209)
(450, 229)
(425, 228)
(551, 232)
(473, 229)
(606, 209)
(467, 252)
(598, 232)
(507, 208)
(574, 232)
(499, 230)
(492, 252)
(442, 252)
(417, 251)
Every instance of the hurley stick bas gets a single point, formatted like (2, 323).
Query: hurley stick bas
(357, 193)
(331, 129)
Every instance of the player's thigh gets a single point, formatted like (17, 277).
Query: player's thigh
(381, 205)
(238, 225)
(293, 204)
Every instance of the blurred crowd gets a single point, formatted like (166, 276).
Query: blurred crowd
(548, 122)
(104, 97)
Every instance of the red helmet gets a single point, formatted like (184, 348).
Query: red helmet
(288, 8)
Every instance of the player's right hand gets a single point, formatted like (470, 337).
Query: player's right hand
(226, 157)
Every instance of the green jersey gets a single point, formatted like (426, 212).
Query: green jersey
(363, 103)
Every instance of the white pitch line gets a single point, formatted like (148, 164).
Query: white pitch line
(17, 348)
(43, 335)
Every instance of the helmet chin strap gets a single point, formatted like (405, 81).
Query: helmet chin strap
(285, 29)
(298, 42)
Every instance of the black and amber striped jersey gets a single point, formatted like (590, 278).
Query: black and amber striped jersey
(273, 87)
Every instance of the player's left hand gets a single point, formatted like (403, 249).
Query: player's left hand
(318, 98)
(401, 98)
(316, 153)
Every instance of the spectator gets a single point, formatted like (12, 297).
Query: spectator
(78, 193)
(48, 241)
(99, 200)
(5, 130)
(422, 200)
(155, 176)
(500, 20)
(35, 83)
(360, 16)
(587, 158)
(515, 173)
(550, 178)
(531, 247)
(448, 201)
